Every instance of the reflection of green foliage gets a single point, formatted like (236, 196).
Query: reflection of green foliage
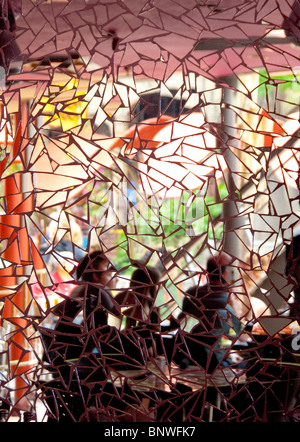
(288, 84)
(153, 224)
(122, 250)
(167, 224)
(12, 169)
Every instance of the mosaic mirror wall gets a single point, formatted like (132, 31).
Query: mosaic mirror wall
(149, 210)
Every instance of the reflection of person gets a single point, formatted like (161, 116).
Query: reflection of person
(140, 297)
(141, 317)
(292, 269)
(93, 292)
(275, 384)
(209, 305)
(84, 312)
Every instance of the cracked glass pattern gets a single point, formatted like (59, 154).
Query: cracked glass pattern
(149, 211)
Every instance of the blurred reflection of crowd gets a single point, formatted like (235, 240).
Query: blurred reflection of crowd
(94, 313)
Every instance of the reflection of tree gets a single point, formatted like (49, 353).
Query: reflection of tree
(168, 227)
(284, 89)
